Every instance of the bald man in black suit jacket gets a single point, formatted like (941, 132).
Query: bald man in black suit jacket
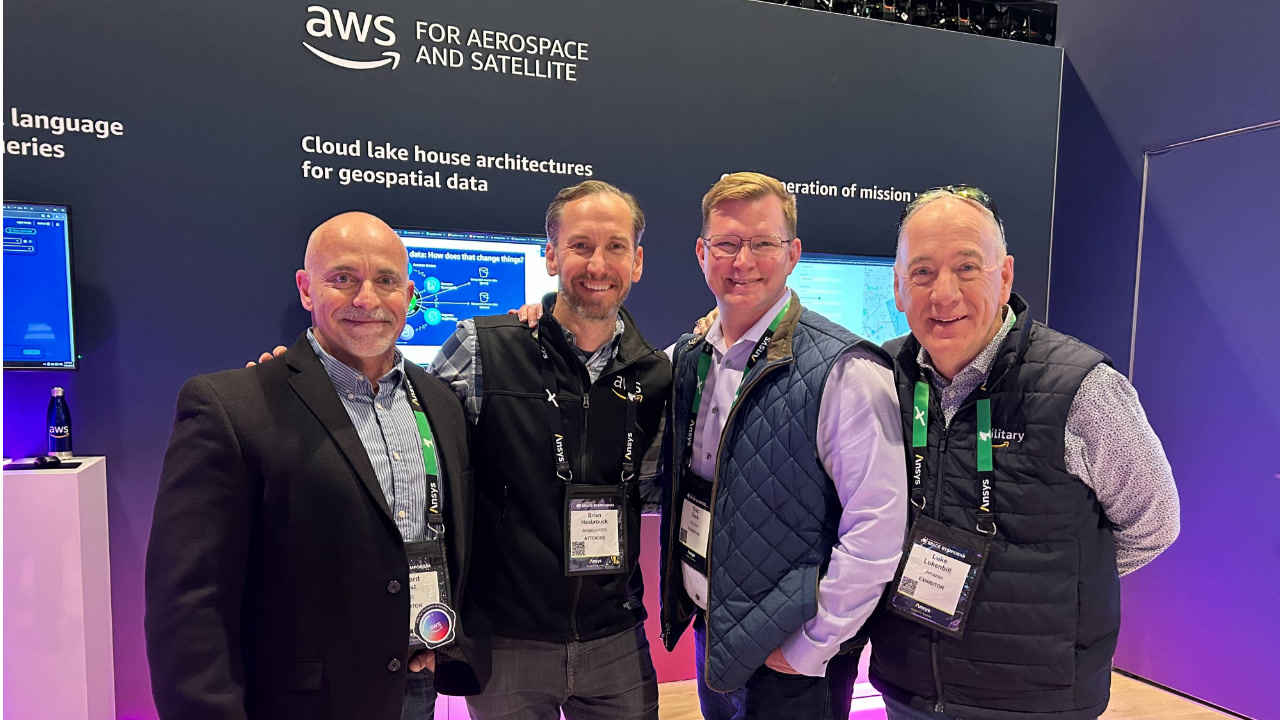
(277, 578)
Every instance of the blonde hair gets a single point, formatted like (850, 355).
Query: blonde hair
(750, 186)
(588, 188)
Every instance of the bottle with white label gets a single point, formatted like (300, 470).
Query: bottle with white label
(59, 417)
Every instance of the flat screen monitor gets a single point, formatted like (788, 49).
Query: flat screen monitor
(461, 274)
(855, 291)
(39, 327)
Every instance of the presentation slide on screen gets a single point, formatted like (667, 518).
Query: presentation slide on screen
(459, 275)
(851, 290)
(37, 287)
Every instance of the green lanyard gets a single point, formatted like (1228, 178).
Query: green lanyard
(704, 369)
(919, 450)
(430, 463)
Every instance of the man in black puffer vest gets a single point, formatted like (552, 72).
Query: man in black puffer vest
(1031, 458)
(563, 415)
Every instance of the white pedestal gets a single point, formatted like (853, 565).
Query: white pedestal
(57, 594)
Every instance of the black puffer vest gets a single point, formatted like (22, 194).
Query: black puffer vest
(1043, 628)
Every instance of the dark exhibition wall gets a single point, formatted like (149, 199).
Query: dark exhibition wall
(1141, 76)
(189, 224)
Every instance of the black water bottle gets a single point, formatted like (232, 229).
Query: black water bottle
(59, 417)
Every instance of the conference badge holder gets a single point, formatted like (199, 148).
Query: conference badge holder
(695, 521)
(595, 536)
(432, 621)
(938, 576)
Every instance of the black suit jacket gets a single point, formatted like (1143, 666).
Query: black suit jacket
(276, 580)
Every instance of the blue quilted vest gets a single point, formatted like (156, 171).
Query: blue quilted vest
(775, 511)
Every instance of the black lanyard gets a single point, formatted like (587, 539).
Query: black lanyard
(920, 448)
(430, 464)
(704, 369)
(555, 421)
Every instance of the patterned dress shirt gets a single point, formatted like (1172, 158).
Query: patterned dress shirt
(1110, 446)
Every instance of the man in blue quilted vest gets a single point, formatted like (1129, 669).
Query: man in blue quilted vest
(1035, 483)
(783, 507)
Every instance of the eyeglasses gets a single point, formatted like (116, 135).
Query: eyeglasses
(968, 192)
(765, 247)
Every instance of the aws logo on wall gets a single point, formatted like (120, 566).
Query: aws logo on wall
(355, 31)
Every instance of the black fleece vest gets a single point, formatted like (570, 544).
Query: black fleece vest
(1043, 628)
(519, 566)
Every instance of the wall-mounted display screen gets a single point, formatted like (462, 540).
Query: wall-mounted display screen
(39, 330)
(459, 275)
(855, 291)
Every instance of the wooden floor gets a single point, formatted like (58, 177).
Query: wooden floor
(1130, 700)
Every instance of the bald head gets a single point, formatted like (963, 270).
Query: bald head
(357, 227)
(941, 209)
(356, 284)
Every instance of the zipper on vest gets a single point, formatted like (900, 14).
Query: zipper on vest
(937, 514)
(582, 457)
(938, 474)
(573, 610)
(939, 705)
(668, 612)
(676, 473)
(582, 449)
(715, 486)
(937, 676)
(582, 468)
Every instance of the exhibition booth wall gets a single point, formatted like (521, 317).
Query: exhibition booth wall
(242, 126)
(1141, 79)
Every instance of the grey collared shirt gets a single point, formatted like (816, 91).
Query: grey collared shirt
(1110, 446)
(458, 362)
(384, 420)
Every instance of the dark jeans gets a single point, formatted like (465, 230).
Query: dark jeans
(419, 696)
(842, 674)
(607, 679)
(768, 694)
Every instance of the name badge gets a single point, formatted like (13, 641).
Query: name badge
(938, 577)
(432, 621)
(695, 521)
(595, 532)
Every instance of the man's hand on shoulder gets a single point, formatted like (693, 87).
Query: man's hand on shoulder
(529, 314)
(706, 321)
(277, 352)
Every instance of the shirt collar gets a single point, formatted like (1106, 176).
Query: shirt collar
(715, 335)
(980, 365)
(618, 328)
(343, 374)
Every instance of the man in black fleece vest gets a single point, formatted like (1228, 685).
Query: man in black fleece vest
(562, 415)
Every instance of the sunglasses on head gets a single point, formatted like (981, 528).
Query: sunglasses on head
(968, 192)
